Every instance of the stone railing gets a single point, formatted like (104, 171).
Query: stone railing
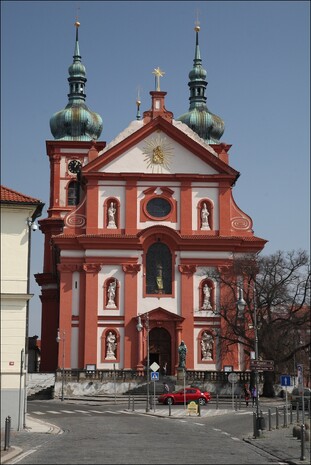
(192, 376)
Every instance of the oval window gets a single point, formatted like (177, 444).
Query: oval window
(158, 207)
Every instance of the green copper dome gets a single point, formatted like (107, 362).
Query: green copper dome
(208, 126)
(76, 121)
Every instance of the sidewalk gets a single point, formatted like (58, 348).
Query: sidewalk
(33, 425)
(280, 443)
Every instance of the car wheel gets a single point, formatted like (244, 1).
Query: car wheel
(202, 401)
(169, 401)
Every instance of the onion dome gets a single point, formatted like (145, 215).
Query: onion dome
(208, 126)
(76, 121)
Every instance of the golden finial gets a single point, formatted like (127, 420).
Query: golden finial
(197, 23)
(158, 73)
(138, 102)
(77, 24)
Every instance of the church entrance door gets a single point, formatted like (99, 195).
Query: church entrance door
(160, 349)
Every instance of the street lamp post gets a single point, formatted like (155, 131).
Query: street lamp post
(139, 328)
(61, 336)
(241, 304)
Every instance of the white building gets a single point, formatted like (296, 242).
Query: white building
(18, 215)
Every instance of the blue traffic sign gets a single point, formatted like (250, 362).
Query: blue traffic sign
(285, 380)
(155, 376)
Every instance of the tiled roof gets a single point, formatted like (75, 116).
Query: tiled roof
(11, 196)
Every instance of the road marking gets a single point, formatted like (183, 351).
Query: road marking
(216, 429)
(224, 432)
(82, 411)
(95, 411)
(200, 424)
(110, 411)
(38, 413)
(53, 411)
(67, 411)
(235, 439)
(22, 456)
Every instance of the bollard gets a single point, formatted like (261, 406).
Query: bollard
(133, 404)
(297, 412)
(269, 418)
(291, 414)
(302, 435)
(216, 401)
(129, 403)
(169, 410)
(236, 403)
(240, 402)
(7, 434)
(276, 418)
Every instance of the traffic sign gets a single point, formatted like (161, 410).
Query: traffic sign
(154, 366)
(285, 380)
(232, 378)
(155, 376)
(262, 365)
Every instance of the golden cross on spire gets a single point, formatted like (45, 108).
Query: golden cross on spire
(197, 22)
(158, 73)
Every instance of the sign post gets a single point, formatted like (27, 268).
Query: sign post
(154, 377)
(301, 389)
(232, 378)
(285, 381)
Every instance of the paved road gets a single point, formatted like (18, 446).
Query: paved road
(113, 434)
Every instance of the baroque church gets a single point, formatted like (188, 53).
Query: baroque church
(133, 228)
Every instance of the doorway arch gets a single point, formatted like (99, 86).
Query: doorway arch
(160, 349)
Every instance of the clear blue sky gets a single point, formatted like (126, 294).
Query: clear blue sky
(257, 57)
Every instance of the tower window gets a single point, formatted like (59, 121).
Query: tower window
(73, 193)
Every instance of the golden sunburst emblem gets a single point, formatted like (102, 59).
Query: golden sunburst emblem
(158, 153)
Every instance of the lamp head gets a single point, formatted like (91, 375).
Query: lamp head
(139, 325)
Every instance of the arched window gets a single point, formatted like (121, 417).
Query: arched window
(159, 269)
(73, 194)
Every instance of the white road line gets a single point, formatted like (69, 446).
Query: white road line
(38, 413)
(95, 411)
(200, 424)
(183, 421)
(81, 411)
(224, 432)
(216, 429)
(110, 411)
(53, 411)
(67, 411)
(22, 456)
(235, 439)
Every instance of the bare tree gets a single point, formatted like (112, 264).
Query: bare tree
(279, 287)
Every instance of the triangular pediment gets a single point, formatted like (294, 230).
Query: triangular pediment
(159, 147)
(160, 314)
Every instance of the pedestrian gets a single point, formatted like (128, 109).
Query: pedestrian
(247, 394)
(165, 368)
(166, 388)
(254, 396)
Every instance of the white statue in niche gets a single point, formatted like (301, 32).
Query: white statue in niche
(111, 292)
(112, 216)
(206, 298)
(207, 346)
(111, 346)
(204, 218)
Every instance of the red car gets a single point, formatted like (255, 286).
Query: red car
(178, 397)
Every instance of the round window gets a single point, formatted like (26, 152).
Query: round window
(158, 207)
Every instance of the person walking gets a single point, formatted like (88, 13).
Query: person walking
(247, 394)
(254, 396)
